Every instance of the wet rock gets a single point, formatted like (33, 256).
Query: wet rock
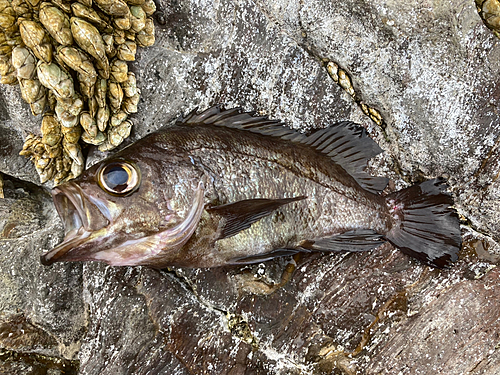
(452, 318)
(424, 81)
(41, 310)
(16, 121)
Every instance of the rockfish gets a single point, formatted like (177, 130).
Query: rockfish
(223, 187)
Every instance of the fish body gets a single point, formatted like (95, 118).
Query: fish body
(224, 187)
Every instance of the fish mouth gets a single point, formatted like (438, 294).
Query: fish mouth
(82, 219)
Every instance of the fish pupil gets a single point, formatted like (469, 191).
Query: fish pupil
(116, 178)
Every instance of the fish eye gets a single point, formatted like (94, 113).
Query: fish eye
(119, 178)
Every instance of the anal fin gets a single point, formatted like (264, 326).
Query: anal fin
(352, 241)
(264, 257)
(240, 215)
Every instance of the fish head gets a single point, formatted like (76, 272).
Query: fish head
(127, 211)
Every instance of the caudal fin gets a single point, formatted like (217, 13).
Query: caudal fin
(426, 227)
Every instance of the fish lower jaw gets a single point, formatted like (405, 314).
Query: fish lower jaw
(129, 253)
(62, 252)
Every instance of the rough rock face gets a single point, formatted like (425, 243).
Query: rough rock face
(429, 69)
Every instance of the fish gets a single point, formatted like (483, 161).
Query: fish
(227, 187)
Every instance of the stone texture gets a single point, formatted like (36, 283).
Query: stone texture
(41, 310)
(430, 69)
(16, 121)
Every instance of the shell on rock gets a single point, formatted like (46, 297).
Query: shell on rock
(35, 37)
(38, 106)
(109, 45)
(93, 107)
(116, 8)
(56, 23)
(146, 37)
(77, 60)
(118, 133)
(119, 71)
(149, 7)
(89, 39)
(115, 96)
(88, 124)
(63, 5)
(130, 85)
(97, 140)
(68, 110)
(74, 151)
(31, 90)
(24, 62)
(123, 23)
(118, 118)
(129, 104)
(51, 130)
(101, 89)
(56, 79)
(71, 135)
(85, 12)
(102, 118)
(126, 51)
(138, 18)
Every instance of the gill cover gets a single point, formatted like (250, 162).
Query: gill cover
(148, 250)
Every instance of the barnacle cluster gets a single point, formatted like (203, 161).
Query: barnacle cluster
(340, 76)
(490, 13)
(70, 60)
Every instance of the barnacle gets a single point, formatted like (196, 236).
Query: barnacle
(24, 62)
(115, 96)
(68, 111)
(89, 39)
(56, 23)
(36, 39)
(70, 59)
(118, 133)
(56, 79)
(129, 104)
(490, 13)
(33, 93)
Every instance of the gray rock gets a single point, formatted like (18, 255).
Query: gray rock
(16, 122)
(431, 71)
(42, 314)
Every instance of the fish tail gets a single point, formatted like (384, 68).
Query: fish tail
(426, 227)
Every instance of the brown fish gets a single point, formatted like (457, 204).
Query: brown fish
(223, 187)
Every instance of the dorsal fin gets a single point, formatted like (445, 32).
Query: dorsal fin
(346, 143)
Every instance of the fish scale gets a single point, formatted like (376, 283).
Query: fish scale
(332, 213)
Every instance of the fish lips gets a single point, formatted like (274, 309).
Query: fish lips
(84, 217)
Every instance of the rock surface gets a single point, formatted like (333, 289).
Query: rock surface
(430, 69)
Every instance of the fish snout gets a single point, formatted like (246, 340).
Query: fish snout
(76, 210)
(84, 217)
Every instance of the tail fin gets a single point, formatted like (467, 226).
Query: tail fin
(426, 227)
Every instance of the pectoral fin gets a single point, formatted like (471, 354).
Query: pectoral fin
(239, 216)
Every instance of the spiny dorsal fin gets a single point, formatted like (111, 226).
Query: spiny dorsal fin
(346, 143)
